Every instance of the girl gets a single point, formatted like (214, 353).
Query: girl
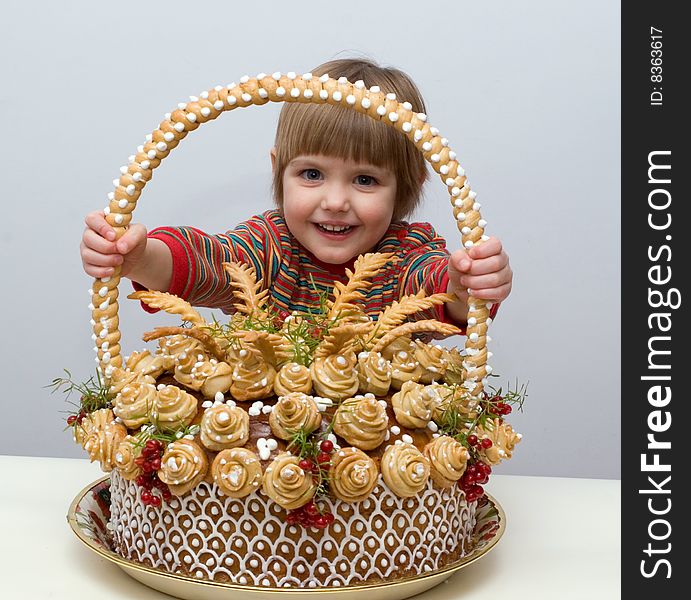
(342, 185)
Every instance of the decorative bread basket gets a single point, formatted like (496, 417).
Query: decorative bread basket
(240, 456)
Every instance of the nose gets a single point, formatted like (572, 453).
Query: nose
(336, 198)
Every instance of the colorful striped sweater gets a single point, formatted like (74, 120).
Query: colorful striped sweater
(293, 275)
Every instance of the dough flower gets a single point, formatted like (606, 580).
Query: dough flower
(286, 483)
(253, 378)
(183, 466)
(120, 379)
(362, 422)
(374, 374)
(237, 472)
(187, 370)
(125, 455)
(335, 376)
(173, 346)
(432, 361)
(173, 408)
(353, 475)
(224, 426)
(146, 363)
(293, 378)
(404, 367)
(217, 377)
(503, 437)
(293, 412)
(413, 405)
(447, 458)
(405, 469)
(102, 436)
(134, 403)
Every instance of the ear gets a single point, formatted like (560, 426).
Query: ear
(272, 153)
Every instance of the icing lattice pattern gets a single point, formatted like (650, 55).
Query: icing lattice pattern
(247, 541)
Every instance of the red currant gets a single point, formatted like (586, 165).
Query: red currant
(311, 509)
(327, 446)
(306, 464)
(72, 419)
(156, 464)
(486, 443)
(329, 517)
(323, 457)
(506, 410)
(155, 500)
(320, 522)
(472, 439)
(146, 497)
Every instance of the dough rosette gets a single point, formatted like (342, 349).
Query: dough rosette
(335, 376)
(102, 436)
(253, 378)
(293, 412)
(237, 472)
(400, 344)
(412, 405)
(187, 370)
(171, 347)
(432, 361)
(217, 377)
(446, 397)
(293, 378)
(127, 452)
(146, 363)
(374, 374)
(447, 458)
(362, 422)
(224, 426)
(173, 408)
(353, 475)
(405, 469)
(404, 367)
(135, 403)
(286, 483)
(120, 379)
(183, 465)
(504, 440)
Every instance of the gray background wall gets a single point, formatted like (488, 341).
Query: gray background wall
(527, 92)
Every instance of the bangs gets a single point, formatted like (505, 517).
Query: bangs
(339, 132)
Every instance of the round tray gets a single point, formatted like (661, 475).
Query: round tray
(89, 515)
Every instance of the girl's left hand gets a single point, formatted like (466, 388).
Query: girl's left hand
(483, 269)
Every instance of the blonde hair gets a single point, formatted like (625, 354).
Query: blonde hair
(309, 129)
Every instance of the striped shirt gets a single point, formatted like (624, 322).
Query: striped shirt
(293, 276)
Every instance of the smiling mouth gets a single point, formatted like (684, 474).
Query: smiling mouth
(334, 229)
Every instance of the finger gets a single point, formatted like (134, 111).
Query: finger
(98, 243)
(460, 261)
(133, 237)
(497, 294)
(99, 271)
(485, 249)
(97, 221)
(480, 282)
(97, 259)
(492, 264)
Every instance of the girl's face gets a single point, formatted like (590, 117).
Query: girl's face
(336, 208)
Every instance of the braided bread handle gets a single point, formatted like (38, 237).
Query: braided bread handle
(289, 87)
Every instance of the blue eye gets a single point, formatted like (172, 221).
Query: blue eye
(366, 180)
(311, 174)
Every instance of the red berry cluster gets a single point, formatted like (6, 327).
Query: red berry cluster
(473, 440)
(78, 418)
(475, 474)
(310, 515)
(149, 461)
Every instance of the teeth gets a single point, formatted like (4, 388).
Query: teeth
(335, 228)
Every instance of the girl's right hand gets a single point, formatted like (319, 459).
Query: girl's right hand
(100, 251)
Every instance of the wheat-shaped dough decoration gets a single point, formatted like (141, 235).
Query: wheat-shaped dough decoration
(244, 278)
(340, 339)
(270, 347)
(359, 280)
(170, 304)
(428, 325)
(397, 313)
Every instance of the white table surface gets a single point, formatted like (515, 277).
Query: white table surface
(562, 540)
